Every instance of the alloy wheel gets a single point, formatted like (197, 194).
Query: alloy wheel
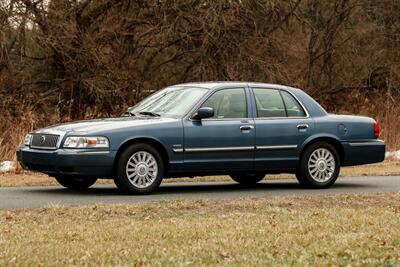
(321, 165)
(142, 169)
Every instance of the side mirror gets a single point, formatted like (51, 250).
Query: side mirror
(203, 113)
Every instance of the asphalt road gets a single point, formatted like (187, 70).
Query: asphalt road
(32, 197)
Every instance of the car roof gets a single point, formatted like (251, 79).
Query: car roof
(219, 84)
(313, 107)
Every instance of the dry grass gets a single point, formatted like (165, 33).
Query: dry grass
(13, 131)
(386, 112)
(25, 179)
(319, 231)
(389, 167)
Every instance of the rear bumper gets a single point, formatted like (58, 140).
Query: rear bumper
(363, 152)
(84, 163)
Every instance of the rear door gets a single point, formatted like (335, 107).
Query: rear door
(282, 125)
(224, 142)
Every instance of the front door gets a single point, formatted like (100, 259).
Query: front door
(282, 125)
(224, 142)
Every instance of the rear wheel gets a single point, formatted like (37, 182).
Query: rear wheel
(319, 166)
(75, 183)
(140, 170)
(247, 178)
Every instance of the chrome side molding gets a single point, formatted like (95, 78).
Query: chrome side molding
(219, 149)
(238, 148)
(373, 143)
(276, 147)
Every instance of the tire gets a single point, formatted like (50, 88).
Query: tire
(247, 178)
(319, 166)
(75, 183)
(139, 170)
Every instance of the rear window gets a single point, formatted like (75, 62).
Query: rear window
(293, 107)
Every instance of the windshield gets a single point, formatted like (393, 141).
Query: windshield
(169, 102)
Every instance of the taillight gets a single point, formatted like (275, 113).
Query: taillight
(376, 130)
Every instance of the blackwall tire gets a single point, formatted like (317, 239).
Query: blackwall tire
(75, 183)
(247, 178)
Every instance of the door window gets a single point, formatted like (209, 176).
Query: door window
(276, 103)
(269, 103)
(228, 103)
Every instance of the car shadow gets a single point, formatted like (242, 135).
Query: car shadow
(205, 188)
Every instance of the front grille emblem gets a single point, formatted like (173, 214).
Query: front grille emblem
(42, 139)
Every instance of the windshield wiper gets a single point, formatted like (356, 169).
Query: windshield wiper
(149, 113)
(128, 114)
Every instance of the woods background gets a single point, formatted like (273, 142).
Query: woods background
(63, 60)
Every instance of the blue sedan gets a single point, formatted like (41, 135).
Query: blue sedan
(245, 130)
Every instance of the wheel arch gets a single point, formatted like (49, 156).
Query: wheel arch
(143, 140)
(332, 140)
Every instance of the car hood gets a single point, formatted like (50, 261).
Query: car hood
(101, 125)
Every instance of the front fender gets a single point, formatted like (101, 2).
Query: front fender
(131, 139)
(172, 159)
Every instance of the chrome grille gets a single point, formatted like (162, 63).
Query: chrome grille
(44, 141)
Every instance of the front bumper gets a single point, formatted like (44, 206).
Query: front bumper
(74, 162)
(363, 152)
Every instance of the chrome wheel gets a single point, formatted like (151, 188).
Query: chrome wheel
(142, 169)
(321, 165)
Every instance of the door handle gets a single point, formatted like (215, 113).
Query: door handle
(246, 127)
(302, 126)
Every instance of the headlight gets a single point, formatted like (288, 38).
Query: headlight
(86, 142)
(27, 140)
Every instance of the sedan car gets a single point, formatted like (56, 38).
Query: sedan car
(245, 130)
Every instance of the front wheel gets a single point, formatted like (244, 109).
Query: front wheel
(319, 166)
(139, 170)
(248, 178)
(75, 183)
